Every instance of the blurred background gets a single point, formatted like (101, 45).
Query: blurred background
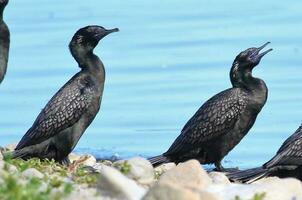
(167, 60)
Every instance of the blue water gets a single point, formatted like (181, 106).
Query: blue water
(168, 58)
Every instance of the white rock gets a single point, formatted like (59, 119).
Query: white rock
(229, 192)
(1, 156)
(10, 168)
(32, 172)
(114, 184)
(204, 195)
(73, 157)
(98, 167)
(1, 164)
(164, 168)
(106, 162)
(188, 174)
(140, 170)
(219, 178)
(86, 160)
(3, 174)
(268, 180)
(87, 193)
(170, 191)
(89, 161)
(43, 187)
(11, 147)
(278, 189)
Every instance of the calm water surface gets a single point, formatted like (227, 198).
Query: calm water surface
(169, 57)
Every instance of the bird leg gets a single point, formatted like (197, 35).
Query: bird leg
(220, 168)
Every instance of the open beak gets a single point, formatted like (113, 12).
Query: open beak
(259, 56)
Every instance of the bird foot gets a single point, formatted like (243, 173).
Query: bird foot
(65, 161)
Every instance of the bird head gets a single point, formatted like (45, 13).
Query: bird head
(244, 63)
(88, 37)
(3, 3)
(251, 57)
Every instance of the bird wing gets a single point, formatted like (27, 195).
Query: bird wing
(290, 141)
(214, 118)
(62, 111)
(290, 153)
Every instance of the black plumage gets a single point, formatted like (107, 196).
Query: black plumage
(4, 41)
(70, 111)
(220, 123)
(286, 163)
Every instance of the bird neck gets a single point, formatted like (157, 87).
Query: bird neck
(243, 78)
(4, 48)
(1, 13)
(2, 7)
(89, 62)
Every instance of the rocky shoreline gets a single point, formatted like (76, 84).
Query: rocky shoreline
(131, 179)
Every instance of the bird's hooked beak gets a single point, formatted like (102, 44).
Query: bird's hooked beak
(112, 30)
(258, 56)
(104, 32)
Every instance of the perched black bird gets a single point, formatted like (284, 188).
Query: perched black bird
(59, 126)
(220, 123)
(4, 41)
(286, 163)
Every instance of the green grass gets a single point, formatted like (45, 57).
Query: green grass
(157, 174)
(257, 196)
(123, 167)
(44, 166)
(52, 187)
(32, 189)
(79, 176)
(82, 176)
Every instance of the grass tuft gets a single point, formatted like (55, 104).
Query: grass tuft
(123, 167)
(257, 196)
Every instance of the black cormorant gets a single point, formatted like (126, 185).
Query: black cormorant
(221, 122)
(59, 126)
(4, 41)
(286, 163)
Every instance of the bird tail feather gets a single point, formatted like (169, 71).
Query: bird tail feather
(157, 160)
(249, 175)
(21, 153)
